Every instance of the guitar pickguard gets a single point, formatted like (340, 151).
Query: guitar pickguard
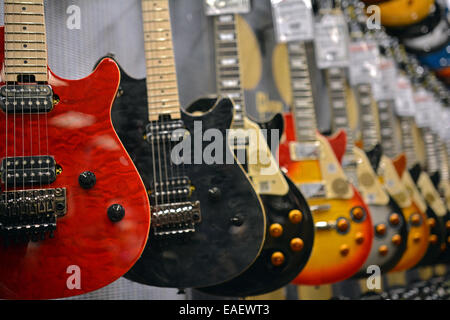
(261, 165)
(392, 182)
(431, 195)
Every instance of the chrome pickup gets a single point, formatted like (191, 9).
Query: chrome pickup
(175, 218)
(304, 150)
(28, 171)
(30, 98)
(31, 214)
(165, 131)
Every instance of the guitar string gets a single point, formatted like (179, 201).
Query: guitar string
(48, 173)
(6, 69)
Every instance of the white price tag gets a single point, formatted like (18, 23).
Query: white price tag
(293, 20)
(404, 100)
(218, 7)
(424, 109)
(364, 57)
(331, 41)
(384, 89)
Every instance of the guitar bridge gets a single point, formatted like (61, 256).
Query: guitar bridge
(175, 218)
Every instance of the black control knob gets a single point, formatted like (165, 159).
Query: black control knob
(87, 180)
(215, 194)
(116, 212)
(237, 220)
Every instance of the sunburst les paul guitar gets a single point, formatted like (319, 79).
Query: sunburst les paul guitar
(72, 202)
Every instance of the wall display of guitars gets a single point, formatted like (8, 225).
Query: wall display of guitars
(110, 176)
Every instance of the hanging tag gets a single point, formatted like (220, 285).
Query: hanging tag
(404, 100)
(331, 41)
(218, 7)
(384, 89)
(364, 57)
(424, 109)
(293, 20)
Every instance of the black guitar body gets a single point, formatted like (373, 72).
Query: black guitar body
(230, 225)
(263, 276)
(434, 251)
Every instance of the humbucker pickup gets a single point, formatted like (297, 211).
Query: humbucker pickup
(30, 98)
(165, 131)
(175, 218)
(28, 171)
(31, 214)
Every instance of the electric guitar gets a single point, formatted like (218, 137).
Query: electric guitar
(290, 230)
(389, 223)
(342, 220)
(74, 213)
(208, 222)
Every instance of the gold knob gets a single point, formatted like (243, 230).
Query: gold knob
(380, 229)
(359, 238)
(297, 244)
(448, 239)
(276, 230)
(443, 246)
(397, 239)
(394, 219)
(277, 258)
(447, 225)
(295, 216)
(383, 250)
(415, 219)
(433, 239)
(344, 250)
(342, 225)
(358, 213)
(431, 222)
(416, 237)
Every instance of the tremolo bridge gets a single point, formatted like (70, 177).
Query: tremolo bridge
(175, 218)
(30, 214)
(27, 99)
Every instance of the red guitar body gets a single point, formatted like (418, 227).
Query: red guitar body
(336, 255)
(88, 250)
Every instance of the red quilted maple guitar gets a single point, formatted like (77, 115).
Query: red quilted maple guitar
(74, 213)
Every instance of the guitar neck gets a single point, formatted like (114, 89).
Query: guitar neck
(389, 142)
(228, 71)
(432, 158)
(369, 127)
(303, 101)
(25, 42)
(338, 100)
(408, 140)
(162, 87)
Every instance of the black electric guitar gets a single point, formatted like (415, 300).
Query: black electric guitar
(290, 230)
(208, 223)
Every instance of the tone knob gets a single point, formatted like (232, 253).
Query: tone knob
(431, 222)
(397, 239)
(116, 212)
(297, 244)
(359, 238)
(342, 225)
(295, 216)
(380, 229)
(433, 239)
(358, 213)
(415, 219)
(443, 247)
(416, 237)
(383, 250)
(214, 194)
(394, 219)
(87, 180)
(344, 250)
(447, 225)
(448, 239)
(237, 220)
(277, 258)
(275, 230)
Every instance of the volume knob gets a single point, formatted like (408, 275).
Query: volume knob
(87, 180)
(116, 212)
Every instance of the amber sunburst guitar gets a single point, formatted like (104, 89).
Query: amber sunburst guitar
(72, 203)
(342, 220)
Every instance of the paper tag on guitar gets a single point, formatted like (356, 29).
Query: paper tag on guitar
(385, 88)
(218, 7)
(293, 20)
(331, 41)
(404, 100)
(424, 108)
(364, 56)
